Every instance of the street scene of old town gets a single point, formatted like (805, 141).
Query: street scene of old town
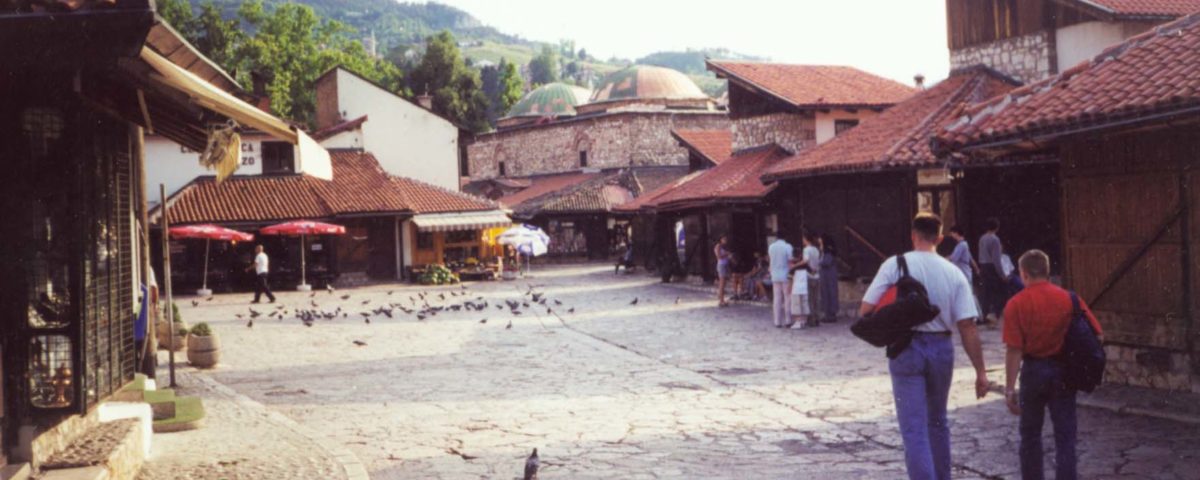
(547, 239)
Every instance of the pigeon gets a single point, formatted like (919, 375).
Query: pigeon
(390, 292)
(537, 297)
(209, 299)
(346, 297)
(464, 287)
(677, 300)
(314, 303)
(634, 302)
(499, 307)
(313, 294)
(483, 321)
(572, 310)
(509, 326)
(250, 323)
(238, 315)
(421, 318)
(360, 343)
(328, 288)
(195, 303)
(364, 302)
(442, 296)
(556, 302)
(254, 313)
(532, 464)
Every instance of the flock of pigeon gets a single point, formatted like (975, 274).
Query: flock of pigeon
(421, 306)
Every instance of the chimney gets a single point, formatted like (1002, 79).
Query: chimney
(259, 89)
(919, 80)
(425, 100)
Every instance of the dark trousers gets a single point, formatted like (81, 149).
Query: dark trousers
(995, 290)
(261, 287)
(1042, 388)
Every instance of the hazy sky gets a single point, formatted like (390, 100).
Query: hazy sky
(893, 38)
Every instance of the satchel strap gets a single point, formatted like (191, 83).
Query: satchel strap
(902, 265)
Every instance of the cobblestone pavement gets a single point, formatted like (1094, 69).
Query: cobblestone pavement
(239, 441)
(671, 387)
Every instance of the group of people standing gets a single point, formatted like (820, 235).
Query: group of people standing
(804, 286)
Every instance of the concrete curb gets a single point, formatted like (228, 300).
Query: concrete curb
(349, 462)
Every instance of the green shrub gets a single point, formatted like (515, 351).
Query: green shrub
(175, 312)
(180, 330)
(201, 330)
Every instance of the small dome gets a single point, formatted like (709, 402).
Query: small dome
(553, 99)
(647, 82)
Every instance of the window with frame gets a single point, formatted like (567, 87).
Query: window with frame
(841, 126)
(278, 158)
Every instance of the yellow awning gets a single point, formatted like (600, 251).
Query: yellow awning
(210, 97)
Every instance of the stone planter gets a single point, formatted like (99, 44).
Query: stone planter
(163, 334)
(204, 352)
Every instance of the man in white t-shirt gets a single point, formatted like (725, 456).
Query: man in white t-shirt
(921, 374)
(261, 268)
(780, 253)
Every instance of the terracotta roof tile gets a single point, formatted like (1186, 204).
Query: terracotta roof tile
(1154, 73)
(713, 145)
(898, 137)
(734, 180)
(359, 185)
(1144, 8)
(816, 85)
(337, 128)
(649, 200)
(544, 184)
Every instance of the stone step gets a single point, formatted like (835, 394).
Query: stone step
(110, 450)
(16, 471)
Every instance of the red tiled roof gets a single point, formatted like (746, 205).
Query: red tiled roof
(734, 180)
(649, 199)
(1140, 8)
(545, 184)
(815, 85)
(1152, 74)
(335, 129)
(359, 185)
(898, 137)
(713, 145)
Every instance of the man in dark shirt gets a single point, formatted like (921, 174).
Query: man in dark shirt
(1035, 326)
(991, 272)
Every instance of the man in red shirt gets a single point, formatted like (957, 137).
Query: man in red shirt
(1035, 326)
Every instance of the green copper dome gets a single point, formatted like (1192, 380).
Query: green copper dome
(554, 99)
(647, 82)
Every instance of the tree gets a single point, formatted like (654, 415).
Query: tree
(543, 68)
(457, 91)
(512, 86)
(216, 37)
(179, 14)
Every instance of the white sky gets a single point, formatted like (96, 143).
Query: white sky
(893, 38)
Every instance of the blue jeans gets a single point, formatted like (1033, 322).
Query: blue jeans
(921, 377)
(1041, 388)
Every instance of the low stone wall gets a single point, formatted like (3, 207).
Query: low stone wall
(1026, 58)
(1150, 368)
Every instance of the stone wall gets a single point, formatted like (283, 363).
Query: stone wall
(794, 132)
(1026, 58)
(1150, 368)
(610, 140)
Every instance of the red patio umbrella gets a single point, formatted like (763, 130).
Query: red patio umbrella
(208, 233)
(303, 228)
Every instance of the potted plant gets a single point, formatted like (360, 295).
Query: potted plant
(181, 331)
(204, 348)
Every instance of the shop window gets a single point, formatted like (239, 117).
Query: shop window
(841, 126)
(425, 240)
(278, 158)
(51, 381)
(461, 236)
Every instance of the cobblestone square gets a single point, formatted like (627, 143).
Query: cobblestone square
(672, 387)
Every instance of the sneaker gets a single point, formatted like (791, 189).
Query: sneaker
(798, 326)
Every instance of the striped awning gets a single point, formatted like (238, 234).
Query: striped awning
(447, 222)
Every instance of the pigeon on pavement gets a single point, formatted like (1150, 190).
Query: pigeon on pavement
(532, 464)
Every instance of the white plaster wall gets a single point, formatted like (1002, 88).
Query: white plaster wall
(407, 140)
(1084, 41)
(348, 139)
(174, 166)
(825, 122)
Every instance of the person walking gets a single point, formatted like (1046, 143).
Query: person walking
(828, 280)
(261, 267)
(1035, 326)
(921, 373)
(992, 272)
(780, 254)
(724, 268)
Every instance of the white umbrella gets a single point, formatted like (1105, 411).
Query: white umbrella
(528, 239)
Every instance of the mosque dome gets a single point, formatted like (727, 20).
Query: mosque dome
(553, 99)
(646, 82)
